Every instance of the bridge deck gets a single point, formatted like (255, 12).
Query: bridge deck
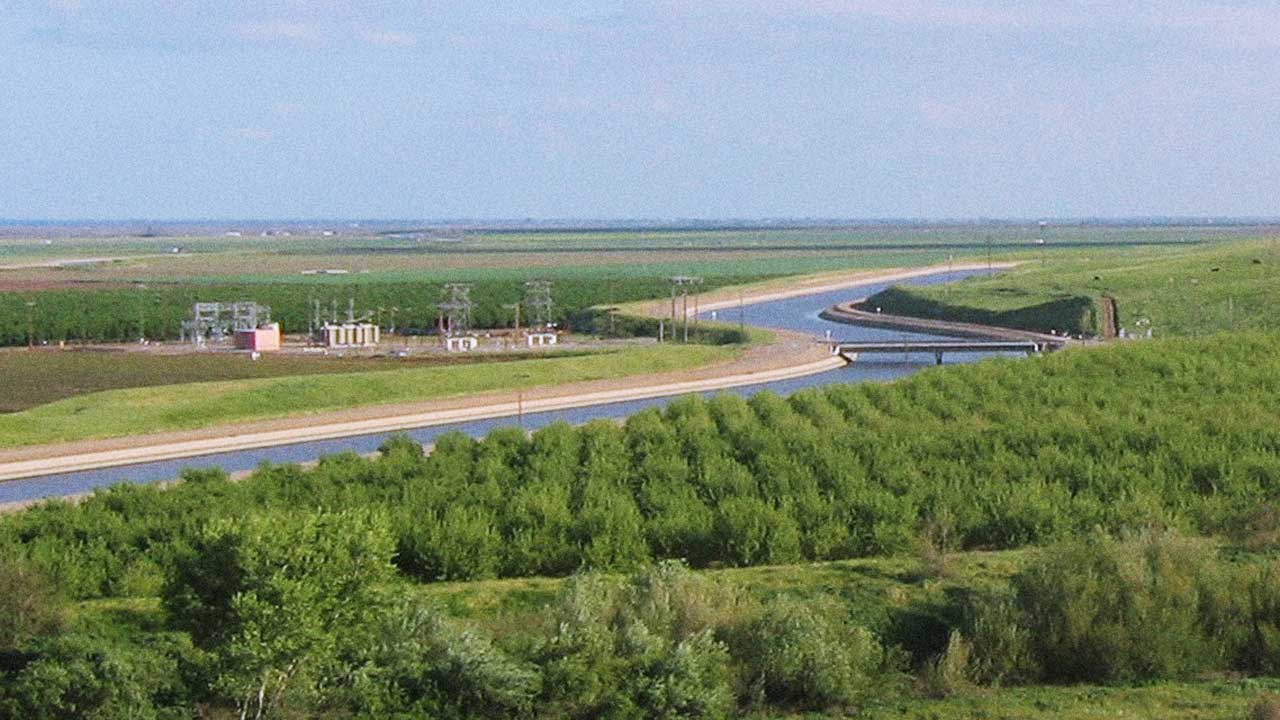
(939, 346)
(849, 350)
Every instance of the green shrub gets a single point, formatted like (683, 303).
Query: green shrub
(797, 653)
(276, 601)
(1244, 612)
(949, 673)
(1001, 641)
(642, 652)
(422, 664)
(80, 677)
(1266, 708)
(749, 531)
(1105, 609)
(29, 605)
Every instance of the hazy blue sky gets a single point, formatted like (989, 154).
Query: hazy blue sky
(657, 108)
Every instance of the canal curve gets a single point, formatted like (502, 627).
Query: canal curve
(799, 313)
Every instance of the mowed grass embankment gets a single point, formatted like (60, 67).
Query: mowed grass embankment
(43, 376)
(1173, 290)
(189, 406)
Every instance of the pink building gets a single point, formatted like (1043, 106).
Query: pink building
(260, 339)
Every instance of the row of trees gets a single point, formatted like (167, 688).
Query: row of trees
(998, 455)
(157, 310)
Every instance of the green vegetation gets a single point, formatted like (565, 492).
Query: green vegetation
(42, 377)
(158, 310)
(1130, 490)
(1089, 534)
(111, 301)
(115, 413)
(1174, 291)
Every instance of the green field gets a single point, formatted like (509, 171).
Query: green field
(1174, 291)
(871, 235)
(45, 376)
(136, 411)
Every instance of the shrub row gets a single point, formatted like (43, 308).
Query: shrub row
(1000, 455)
(293, 614)
(290, 615)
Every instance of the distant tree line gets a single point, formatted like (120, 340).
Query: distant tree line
(156, 310)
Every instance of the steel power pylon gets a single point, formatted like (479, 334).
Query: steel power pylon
(455, 309)
(537, 304)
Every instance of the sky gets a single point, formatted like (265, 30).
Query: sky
(650, 109)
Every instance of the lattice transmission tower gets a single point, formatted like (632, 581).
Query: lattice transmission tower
(455, 309)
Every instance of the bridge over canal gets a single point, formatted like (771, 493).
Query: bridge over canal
(851, 350)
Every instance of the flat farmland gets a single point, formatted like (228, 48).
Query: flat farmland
(400, 265)
(463, 253)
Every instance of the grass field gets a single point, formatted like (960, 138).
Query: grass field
(45, 376)
(137, 411)
(1177, 291)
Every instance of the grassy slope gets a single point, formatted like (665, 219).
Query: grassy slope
(1206, 700)
(116, 413)
(37, 378)
(1176, 289)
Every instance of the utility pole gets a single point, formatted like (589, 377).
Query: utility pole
(685, 311)
(31, 324)
(520, 398)
(1040, 241)
(142, 314)
(1195, 300)
(742, 316)
(673, 307)
(682, 282)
